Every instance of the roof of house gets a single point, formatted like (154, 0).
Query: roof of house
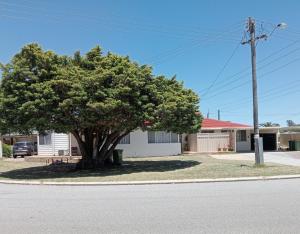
(218, 124)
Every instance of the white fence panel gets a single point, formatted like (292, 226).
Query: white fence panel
(212, 142)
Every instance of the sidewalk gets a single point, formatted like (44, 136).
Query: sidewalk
(150, 182)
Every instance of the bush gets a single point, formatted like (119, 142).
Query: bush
(6, 150)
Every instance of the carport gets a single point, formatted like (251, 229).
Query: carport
(270, 136)
(11, 139)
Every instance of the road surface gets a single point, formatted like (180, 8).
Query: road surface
(232, 207)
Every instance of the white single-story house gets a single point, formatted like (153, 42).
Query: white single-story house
(217, 135)
(136, 144)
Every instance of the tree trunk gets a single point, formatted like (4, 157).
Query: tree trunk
(86, 161)
(96, 148)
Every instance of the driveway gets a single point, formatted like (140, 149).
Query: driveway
(291, 158)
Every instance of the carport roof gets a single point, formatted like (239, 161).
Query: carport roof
(218, 124)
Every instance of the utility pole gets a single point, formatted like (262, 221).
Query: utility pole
(258, 145)
(219, 115)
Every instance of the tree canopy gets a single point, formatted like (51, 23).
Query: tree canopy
(269, 124)
(98, 98)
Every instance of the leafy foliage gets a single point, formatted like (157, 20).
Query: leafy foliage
(291, 123)
(98, 98)
(269, 124)
(6, 150)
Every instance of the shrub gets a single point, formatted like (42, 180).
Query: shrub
(6, 150)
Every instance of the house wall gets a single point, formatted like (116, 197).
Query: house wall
(45, 150)
(139, 146)
(59, 141)
(244, 146)
(285, 138)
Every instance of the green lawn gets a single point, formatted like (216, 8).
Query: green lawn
(134, 169)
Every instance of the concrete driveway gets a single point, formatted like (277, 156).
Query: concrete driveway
(291, 158)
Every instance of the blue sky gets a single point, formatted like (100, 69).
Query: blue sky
(190, 39)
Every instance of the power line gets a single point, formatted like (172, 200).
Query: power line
(261, 76)
(268, 93)
(246, 75)
(229, 78)
(181, 50)
(119, 24)
(222, 69)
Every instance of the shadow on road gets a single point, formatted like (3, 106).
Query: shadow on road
(67, 170)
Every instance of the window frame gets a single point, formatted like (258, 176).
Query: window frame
(45, 139)
(241, 136)
(162, 137)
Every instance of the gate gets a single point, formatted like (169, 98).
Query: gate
(212, 142)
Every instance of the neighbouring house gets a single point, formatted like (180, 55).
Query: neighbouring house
(288, 134)
(217, 135)
(136, 144)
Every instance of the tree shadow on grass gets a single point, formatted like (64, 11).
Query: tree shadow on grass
(67, 170)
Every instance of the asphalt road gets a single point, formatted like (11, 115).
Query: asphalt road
(232, 207)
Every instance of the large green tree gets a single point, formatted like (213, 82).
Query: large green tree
(98, 98)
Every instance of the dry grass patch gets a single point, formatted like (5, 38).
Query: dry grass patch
(139, 169)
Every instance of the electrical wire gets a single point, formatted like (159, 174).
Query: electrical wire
(249, 73)
(222, 69)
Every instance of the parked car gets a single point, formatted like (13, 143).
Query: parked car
(23, 148)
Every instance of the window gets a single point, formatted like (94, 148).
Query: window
(174, 137)
(151, 137)
(162, 137)
(207, 131)
(225, 131)
(45, 139)
(241, 135)
(125, 139)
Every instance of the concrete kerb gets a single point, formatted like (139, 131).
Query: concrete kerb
(150, 182)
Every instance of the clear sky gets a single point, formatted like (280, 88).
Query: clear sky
(193, 40)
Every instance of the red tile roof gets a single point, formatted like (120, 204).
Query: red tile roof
(213, 123)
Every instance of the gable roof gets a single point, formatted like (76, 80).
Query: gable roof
(218, 124)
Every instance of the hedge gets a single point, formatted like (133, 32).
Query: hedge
(6, 150)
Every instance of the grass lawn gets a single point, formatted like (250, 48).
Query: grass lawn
(134, 169)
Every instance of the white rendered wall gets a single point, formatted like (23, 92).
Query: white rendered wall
(139, 146)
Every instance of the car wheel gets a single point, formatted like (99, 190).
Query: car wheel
(15, 156)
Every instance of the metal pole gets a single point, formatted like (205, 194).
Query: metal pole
(257, 141)
(219, 115)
